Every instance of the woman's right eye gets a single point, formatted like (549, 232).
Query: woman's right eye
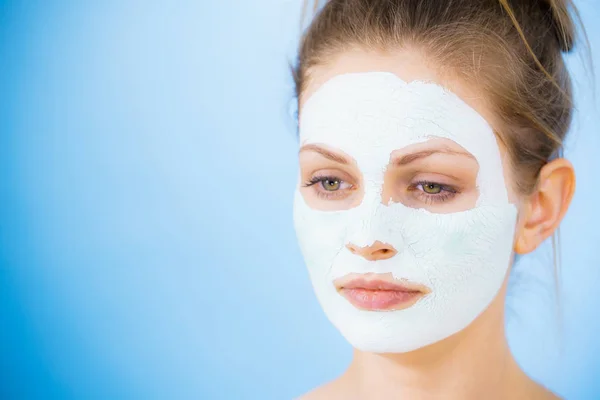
(328, 186)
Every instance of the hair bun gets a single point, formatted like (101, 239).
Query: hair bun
(563, 28)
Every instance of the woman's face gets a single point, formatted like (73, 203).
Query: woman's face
(404, 209)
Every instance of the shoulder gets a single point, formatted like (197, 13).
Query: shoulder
(540, 392)
(546, 394)
(329, 391)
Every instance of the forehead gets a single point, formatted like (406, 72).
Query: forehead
(409, 64)
(372, 114)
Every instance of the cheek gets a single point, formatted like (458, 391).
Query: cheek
(321, 235)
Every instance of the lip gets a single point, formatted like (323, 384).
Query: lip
(381, 295)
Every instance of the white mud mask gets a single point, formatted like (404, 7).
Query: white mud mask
(463, 257)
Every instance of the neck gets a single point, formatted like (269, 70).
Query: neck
(475, 363)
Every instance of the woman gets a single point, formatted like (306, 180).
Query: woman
(429, 141)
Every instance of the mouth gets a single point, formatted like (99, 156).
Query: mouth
(375, 294)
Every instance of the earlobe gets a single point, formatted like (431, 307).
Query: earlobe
(546, 206)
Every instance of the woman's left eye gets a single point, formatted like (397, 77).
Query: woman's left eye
(431, 188)
(331, 185)
(434, 192)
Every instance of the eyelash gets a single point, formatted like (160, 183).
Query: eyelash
(324, 193)
(447, 192)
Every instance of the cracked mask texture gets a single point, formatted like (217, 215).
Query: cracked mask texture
(462, 257)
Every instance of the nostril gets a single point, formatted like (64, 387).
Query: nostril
(377, 251)
(383, 254)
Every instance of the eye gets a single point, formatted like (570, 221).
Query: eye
(328, 183)
(433, 192)
(330, 187)
(432, 188)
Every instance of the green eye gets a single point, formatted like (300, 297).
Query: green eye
(330, 184)
(432, 188)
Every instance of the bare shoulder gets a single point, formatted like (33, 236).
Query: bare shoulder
(542, 393)
(329, 391)
(546, 394)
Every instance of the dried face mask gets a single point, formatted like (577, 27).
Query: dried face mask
(462, 257)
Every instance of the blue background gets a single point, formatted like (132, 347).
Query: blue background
(147, 166)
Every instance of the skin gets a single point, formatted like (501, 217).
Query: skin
(477, 362)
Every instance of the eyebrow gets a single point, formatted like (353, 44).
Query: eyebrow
(408, 158)
(403, 160)
(326, 153)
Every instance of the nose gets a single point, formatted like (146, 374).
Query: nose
(374, 252)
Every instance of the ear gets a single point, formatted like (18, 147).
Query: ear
(543, 210)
